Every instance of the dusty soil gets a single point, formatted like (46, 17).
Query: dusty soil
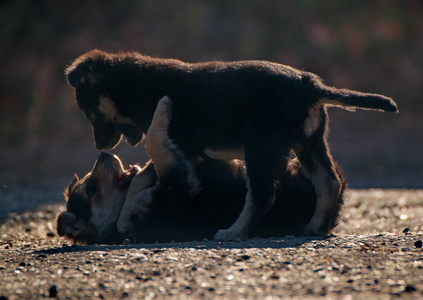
(370, 255)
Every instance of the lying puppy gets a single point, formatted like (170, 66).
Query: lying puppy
(94, 203)
(257, 111)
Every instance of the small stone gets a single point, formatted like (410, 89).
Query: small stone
(406, 230)
(52, 292)
(418, 244)
(409, 288)
(102, 286)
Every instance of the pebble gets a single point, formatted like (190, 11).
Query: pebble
(52, 292)
(410, 288)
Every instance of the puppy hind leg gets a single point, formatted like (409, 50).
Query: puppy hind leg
(316, 159)
(327, 188)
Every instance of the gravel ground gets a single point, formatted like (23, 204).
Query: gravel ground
(376, 252)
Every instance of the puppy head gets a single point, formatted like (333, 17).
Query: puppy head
(95, 76)
(95, 201)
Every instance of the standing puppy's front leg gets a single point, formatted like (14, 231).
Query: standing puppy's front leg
(169, 166)
(172, 166)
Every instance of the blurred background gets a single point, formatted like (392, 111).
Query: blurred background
(371, 46)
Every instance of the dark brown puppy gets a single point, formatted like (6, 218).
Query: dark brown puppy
(94, 203)
(255, 110)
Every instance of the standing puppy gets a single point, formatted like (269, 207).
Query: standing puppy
(256, 110)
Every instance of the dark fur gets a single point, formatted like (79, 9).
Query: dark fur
(265, 109)
(176, 217)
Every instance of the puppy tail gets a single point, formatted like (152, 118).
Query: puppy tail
(351, 100)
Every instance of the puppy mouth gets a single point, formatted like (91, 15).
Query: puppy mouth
(124, 177)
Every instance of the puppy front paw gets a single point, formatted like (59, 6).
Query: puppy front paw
(225, 235)
(163, 114)
(165, 106)
(66, 223)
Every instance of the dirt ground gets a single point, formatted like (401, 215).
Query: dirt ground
(376, 252)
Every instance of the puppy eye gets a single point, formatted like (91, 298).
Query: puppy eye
(90, 191)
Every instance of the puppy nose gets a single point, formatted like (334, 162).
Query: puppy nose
(102, 157)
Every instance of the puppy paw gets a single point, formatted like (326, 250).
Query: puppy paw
(66, 223)
(139, 206)
(143, 201)
(165, 105)
(124, 221)
(163, 113)
(225, 235)
(313, 228)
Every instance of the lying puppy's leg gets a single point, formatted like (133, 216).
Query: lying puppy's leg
(172, 166)
(138, 197)
(318, 165)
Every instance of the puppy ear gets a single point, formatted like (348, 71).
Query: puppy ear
(70, 187)
(77, 73)
(73, 74)
(82, 69)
